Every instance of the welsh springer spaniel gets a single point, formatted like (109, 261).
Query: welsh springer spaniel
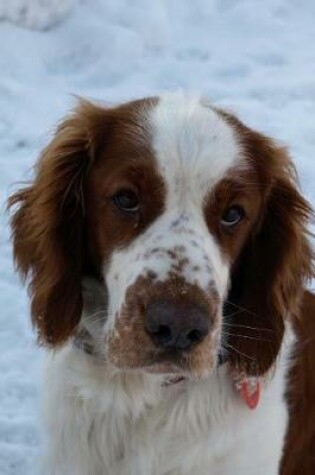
(168, 253)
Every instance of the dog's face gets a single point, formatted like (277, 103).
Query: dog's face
(170, 210)
(179, 209)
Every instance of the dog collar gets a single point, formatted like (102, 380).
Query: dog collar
(248, 387)
(83, 341)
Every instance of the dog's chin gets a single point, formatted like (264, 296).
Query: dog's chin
(165, 369)
(170, 371)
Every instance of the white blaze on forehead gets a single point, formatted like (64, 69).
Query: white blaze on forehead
(194, 146)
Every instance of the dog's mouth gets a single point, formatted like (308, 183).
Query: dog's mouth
(176, 366)
(168, 363)
(171, 375)
(195, 363)
(130, 348)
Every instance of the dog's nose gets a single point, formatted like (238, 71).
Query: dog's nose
(176, 326)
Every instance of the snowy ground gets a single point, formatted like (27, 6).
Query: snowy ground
(257, 58)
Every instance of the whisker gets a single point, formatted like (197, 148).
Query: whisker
(246, 337)
(250, 312)
(237, 325)
(227, 347)
(230, 315)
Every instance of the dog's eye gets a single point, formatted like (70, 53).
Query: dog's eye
(127, 200)
(232, 216)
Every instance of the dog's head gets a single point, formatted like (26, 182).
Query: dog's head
(192, 222)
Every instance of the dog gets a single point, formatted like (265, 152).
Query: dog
(168, 255)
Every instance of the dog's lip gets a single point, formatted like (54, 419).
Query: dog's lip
(169, 362)
(166, 367)
(171, 375)
(173, 380)
(177, 368)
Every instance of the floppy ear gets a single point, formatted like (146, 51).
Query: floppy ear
(48, 224)
(276, 262)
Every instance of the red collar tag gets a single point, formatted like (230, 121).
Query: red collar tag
(250, 392)
(249, 389)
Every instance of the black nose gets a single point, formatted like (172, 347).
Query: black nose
(176, 326)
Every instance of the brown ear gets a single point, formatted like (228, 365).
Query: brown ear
(48, 224)
(275, 264)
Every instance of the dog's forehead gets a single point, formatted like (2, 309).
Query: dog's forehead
(193, 144)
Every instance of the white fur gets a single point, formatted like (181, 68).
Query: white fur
(129, 424)
(101, 421)
(194, 146)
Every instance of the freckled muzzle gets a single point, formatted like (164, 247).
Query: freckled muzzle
(170, 301)
(169, 327)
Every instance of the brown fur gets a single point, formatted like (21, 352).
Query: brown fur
(124, 162)
(56, 238)
(275, 262)
(299, 455)
(124, 351)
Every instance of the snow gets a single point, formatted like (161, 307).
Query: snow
(37, 14)
(256, 58)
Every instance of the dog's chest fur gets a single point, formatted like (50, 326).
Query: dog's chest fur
(130, 424)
